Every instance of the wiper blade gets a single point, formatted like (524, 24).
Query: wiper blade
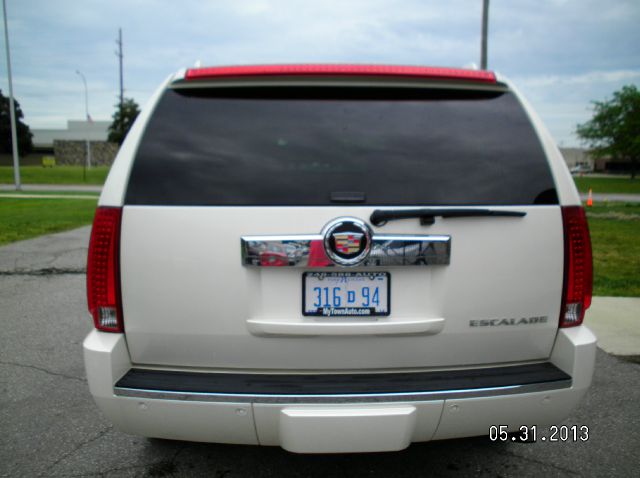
(380, 217)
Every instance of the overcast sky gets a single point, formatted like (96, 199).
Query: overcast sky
(561, 53)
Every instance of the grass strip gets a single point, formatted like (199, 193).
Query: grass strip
(55, 175)
(615, 238)
(607, 185)
(23, 219)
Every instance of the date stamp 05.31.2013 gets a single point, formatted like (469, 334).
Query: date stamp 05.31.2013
(533, 433)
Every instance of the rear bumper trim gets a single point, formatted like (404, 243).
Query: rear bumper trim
(341, 388)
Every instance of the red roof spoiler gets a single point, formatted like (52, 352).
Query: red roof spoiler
(432, 73)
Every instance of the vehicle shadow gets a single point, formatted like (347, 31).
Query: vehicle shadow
(463, 457)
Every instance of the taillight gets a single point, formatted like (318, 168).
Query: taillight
(578, 267)
(103, 270)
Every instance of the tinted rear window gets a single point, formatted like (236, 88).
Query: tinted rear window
(310, 146)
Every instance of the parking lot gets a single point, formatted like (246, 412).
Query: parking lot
(50, 426)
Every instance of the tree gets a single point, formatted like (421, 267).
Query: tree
(614, 129)
(25, 143)
(123, 118)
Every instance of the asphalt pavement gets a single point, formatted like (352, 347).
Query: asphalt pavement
(50, 426)
(605, 197)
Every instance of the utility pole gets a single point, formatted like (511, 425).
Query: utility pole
(12, 106)
(485, 28)
(119, 55)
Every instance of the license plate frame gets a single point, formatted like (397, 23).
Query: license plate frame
(358, 309)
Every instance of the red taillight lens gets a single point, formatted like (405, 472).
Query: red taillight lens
(435, 73)
(103, 270)
(578, 267)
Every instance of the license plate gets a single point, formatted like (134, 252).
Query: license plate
(345, 294)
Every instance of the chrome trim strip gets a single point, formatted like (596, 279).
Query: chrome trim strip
(307, 250)
(343, 398)
(279, 251)
(410, 250)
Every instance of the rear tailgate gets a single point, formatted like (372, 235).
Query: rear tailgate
(215, 166)
(188, 300)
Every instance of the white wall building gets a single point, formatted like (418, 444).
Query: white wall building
(77, 130)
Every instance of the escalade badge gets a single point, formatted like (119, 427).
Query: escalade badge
(347, 241)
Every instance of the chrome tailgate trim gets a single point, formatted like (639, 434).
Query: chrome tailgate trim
(386, 250)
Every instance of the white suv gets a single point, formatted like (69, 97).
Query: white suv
(337, 258)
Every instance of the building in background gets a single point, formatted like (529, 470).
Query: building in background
(69, 145)
(578, 157)
(580, 160)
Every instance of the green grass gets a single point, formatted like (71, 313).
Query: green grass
(55, 175)
(27, 218)
(608, 185)
(51, 193)
(615, 237)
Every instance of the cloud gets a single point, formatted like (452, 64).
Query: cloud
(588, 78)
(563, 54)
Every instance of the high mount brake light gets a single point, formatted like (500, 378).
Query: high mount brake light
(578, 267)
(103, 270)
(434, 73)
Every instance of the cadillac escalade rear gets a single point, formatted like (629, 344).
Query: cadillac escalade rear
(337, 258)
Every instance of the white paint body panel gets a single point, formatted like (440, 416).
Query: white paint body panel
(106, 360)
(189, 302)
(316, 428)
(346, 429)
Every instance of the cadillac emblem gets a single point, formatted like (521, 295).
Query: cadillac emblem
(347, 241)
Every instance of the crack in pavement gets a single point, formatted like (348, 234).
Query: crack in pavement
(41, 369)
(102, 433)
(47, 271)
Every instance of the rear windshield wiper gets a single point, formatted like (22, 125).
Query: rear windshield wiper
(380, 217)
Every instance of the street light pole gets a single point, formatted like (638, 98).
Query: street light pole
(12, 107)
(86, 108)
